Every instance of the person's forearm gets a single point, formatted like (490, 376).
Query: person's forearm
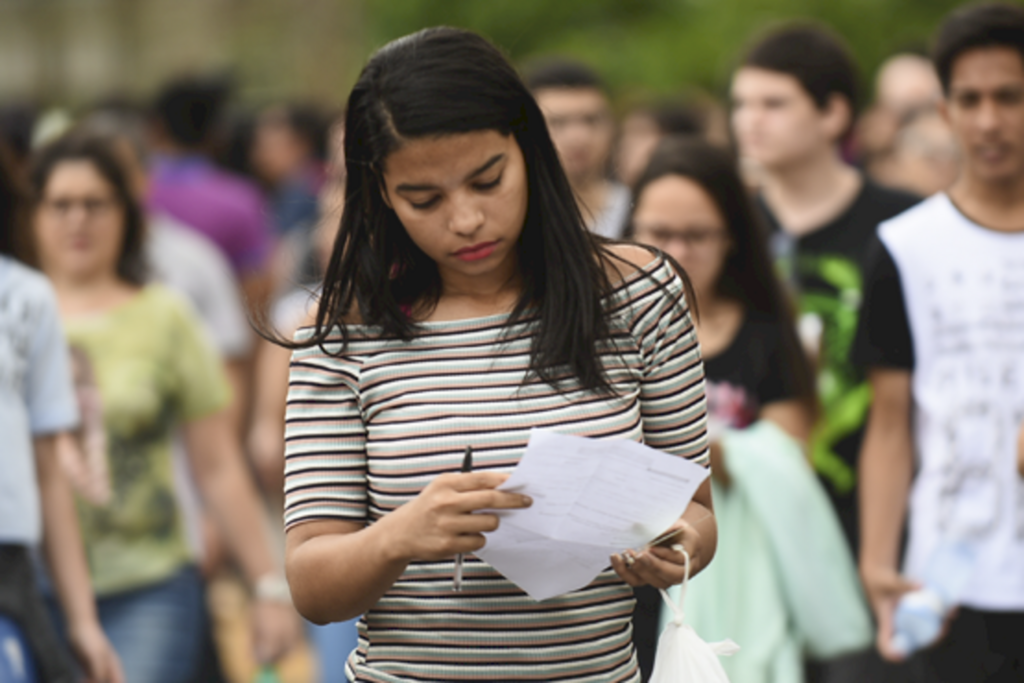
(886, 469)
(369, 563)
(231, 497)
(62, 540)
(702, 519)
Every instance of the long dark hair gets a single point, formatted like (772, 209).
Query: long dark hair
(99, 151)
(747, 276)
(445, 81)
(12, 206)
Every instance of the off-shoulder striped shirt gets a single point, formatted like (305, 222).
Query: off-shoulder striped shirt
(368, 429)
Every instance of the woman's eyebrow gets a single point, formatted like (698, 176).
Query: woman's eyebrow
(473, 174)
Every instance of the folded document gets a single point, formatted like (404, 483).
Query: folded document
(591, 498)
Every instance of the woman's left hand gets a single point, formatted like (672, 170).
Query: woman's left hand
(94, 653)
(660, 566)
(276, 629)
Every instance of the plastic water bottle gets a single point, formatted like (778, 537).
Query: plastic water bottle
(920, 614)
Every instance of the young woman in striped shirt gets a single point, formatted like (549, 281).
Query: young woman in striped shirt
(464, 304)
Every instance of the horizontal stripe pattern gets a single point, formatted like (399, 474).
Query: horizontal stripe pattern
(369, 428)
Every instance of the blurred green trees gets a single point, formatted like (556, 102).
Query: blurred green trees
(660, 46)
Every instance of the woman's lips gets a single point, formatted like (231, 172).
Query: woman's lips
(475, 252)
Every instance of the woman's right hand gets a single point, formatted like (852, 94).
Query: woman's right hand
(444, 519)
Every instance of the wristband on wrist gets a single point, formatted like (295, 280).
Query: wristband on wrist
(273, 588)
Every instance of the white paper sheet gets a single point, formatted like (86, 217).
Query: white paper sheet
(591, 498)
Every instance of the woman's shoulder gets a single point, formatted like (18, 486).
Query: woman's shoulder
(634, 271)
(626, 260)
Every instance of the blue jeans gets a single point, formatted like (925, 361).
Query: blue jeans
(17, 664)
(158, 631)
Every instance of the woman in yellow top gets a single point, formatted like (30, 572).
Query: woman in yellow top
(152, 372)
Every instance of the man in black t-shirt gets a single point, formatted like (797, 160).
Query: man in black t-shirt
(794, 98)
(942, 334)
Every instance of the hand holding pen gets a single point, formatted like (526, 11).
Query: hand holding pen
(450, 515)
(467, 466)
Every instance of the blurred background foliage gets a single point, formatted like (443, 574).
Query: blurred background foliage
(73, 51)
(657, 46)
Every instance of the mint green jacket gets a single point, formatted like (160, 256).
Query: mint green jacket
(783, 583)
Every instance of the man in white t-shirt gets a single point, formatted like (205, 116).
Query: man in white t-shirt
(942, 335)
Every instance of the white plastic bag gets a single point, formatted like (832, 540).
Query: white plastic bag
(682, 656)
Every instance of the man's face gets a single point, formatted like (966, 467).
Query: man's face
(581, 127)
(776, 122)
(985, 108)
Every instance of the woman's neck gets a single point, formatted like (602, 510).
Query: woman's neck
(719, 321)
(464, 297)
(78, 296)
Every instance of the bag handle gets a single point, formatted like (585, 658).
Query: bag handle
(677, 610)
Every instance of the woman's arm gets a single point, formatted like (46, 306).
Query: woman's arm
(65, 557)
(266, 434)
(229, 494)
(338, 569)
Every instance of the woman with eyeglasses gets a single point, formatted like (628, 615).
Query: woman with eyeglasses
(152, 372)
(691, 204)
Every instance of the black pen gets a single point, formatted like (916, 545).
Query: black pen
(467, 466)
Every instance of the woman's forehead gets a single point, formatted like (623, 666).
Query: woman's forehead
(447, 159)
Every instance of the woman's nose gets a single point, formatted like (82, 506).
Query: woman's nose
(465, 218)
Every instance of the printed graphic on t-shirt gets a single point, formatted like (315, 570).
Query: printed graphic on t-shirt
(730, 405)
(974, 426)
(831, 293)
(17, 323)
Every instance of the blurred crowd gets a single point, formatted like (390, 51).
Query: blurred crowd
(181, 235)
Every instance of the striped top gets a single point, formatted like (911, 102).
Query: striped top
(368, 430)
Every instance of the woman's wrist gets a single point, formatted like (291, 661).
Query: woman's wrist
(272, 587)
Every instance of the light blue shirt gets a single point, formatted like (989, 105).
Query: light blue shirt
(36, 393)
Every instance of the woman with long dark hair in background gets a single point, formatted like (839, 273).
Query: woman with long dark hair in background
(691, 203)
(465, 303)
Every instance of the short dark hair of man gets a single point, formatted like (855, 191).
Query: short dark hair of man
(188, 108)
(563, 73)
(977, 26)
(813, 55)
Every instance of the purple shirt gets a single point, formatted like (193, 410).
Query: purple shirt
(226, 208)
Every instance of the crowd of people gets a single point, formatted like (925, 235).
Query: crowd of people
(213, 318)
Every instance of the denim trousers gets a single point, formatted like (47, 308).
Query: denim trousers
(22, 604)
(158, 631)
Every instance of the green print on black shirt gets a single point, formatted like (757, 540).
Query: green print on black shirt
(825, 270)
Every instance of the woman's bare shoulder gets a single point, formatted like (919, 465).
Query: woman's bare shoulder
(627, 259)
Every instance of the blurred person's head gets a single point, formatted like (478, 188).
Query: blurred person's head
(979, 55)
(691, 203)
(87, 222)
(125, 131)
(925, 158)
(12, 205)
(907, 82)
(287, 139)
(186, 113)
(645, 126)
(794, 96)
(578, 112)
(17, 124)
